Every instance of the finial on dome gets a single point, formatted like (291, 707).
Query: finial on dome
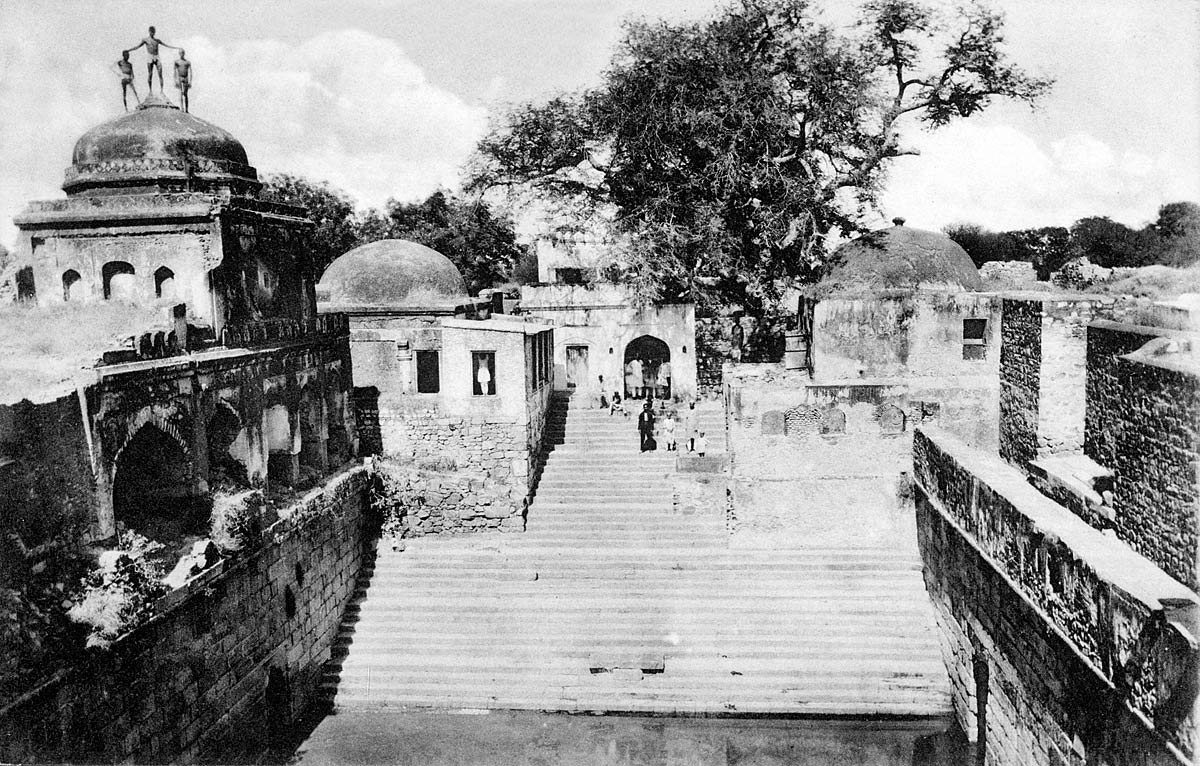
(898, 220)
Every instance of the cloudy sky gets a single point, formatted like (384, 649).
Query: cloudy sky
(385, 98)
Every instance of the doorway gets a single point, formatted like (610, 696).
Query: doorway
(647, 368)
(577, 366)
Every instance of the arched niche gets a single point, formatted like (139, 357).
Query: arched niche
(120, 281)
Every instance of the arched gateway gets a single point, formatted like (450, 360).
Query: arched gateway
(647, 368)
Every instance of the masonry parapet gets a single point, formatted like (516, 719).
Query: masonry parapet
(1123, 618)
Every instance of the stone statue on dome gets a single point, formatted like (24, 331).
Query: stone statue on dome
(152, 44)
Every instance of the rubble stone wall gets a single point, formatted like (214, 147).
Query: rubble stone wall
(1020, 379)
(226, 664)
(1143, 423)
(464, 473)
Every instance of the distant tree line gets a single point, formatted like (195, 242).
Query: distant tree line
(481, 242)
(1172, 240)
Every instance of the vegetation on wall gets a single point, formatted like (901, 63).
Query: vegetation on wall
(727, 150)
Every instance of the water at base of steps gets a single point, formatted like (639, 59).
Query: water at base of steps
(510, 738)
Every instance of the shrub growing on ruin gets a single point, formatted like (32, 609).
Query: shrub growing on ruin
(237, 521)
(120, 594)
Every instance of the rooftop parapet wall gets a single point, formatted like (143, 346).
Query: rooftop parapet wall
(1143, 423)
(1126, 621)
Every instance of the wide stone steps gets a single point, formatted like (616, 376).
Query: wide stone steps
(614, 600)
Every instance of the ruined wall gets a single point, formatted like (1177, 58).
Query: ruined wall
(790, 442)
(1064, 630)
(225, 666)
(1144, 425)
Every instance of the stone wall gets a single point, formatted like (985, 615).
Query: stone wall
(1064, 636)
(1020, 379)
(792, 443)
(712, 350)
(464, 473)
(227, 662)
(1143, 423)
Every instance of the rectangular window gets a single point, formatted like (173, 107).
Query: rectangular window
(571, 276)
(974, 339)
(429, 378)
(483, 373)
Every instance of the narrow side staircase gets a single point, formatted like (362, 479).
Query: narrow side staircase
(616, 600)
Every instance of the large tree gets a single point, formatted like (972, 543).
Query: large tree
(984, 245)
(1177, 233)
(724, 151)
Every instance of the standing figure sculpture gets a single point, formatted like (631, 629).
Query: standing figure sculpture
(183, 78)
(152, 44)
(124, 67)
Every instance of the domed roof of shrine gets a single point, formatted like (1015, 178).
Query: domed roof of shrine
(394, 274)
(900, 257)
(158, 147)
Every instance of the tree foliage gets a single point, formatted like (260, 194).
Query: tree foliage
(726, 150)
(332, 211)
(1172, 240)
(482, 243)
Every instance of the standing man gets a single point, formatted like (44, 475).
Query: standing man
(124, 67)
(646, 427)
(639, 383)
(152, 43)
(183, 78)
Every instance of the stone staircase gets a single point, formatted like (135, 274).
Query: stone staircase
(617, 599)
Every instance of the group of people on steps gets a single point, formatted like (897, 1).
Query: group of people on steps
(673, 433)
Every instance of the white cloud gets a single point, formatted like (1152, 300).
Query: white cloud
(1002, 178)
(344, 106)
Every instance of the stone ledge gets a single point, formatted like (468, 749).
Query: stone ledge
(1112, 560)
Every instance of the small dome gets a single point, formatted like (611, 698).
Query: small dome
(900, 257)
(158, 147)
(395, 274)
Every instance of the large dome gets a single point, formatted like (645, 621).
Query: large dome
(900, 257)
(158, 147)
(393, 274)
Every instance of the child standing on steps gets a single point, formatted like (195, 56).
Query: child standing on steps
(701, 444)
(669, 431)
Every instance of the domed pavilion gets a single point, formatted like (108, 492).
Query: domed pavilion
(163, 206)
(899, 319)
(442, 383)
